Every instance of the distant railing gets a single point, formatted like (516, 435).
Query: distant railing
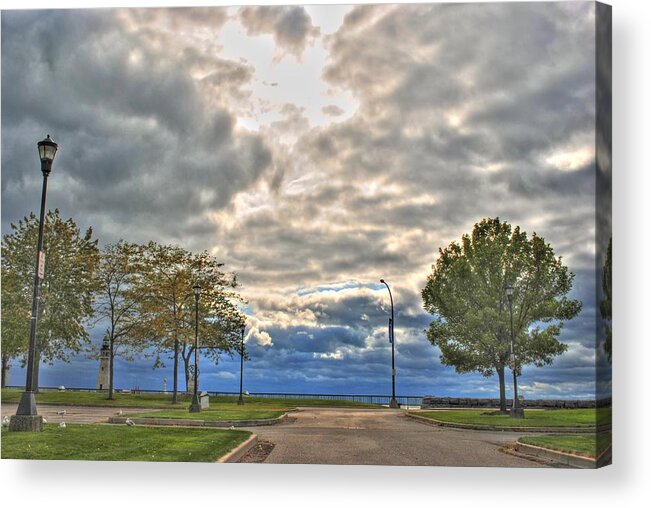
(405, 400)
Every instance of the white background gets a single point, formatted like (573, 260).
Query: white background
(626, 483)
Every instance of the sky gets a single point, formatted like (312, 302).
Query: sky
(315, 150)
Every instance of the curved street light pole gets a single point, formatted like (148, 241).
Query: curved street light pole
(516, 408)
(240, 401)
(393, 403)
(26, 417)
(195, 407)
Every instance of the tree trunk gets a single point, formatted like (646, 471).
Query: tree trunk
(112, 355)
(188, 382)
(500, 375)
(175, 391)
(5, 369)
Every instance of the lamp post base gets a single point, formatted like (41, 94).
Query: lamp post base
(240, 401)
(26, 423)
(195, 406)
(27, 405)
(394, 404)
(517, 412)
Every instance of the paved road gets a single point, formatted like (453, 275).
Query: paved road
(351, 436)
(74, 414)
(345, 436)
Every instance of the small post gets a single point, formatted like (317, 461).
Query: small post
(516, 409)
(240, 401)
(195, 406)
(393, 403)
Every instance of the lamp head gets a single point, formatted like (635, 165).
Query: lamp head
(197, 290)
(382, 281)
(509, 291)
(47, 149)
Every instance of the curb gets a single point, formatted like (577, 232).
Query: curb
(468, 426)
(569, 459)
(239, 452)
(173, 422)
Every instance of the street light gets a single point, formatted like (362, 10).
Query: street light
(516, 410)
(240, 401)
(26, 417)
(195, 407)
(394, 402)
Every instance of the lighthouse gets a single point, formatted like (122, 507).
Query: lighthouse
(104, 358)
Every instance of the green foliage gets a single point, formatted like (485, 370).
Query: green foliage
(164, 291)
(119, 442)
(579, 444)
(66, 291)
(606, 306)
(466, 294)
(164, 401)
(116, 302)
(14, 316)
(535, 417)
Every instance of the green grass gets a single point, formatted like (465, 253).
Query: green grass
(164, 401)
(578, 444)
(211, 414)
(111, 442)
(533, 417)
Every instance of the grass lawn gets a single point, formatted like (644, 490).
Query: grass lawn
(111, 442)
(533, 417)
(583, 444)
(211, 414)
(164, 401)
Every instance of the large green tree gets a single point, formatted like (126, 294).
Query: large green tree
(466, 294)
(117, 303)
(606, 306)
(167, 275)
(14, 315)
(71, 258)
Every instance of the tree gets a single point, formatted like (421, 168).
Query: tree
(14, 316)
(466, 294)
(116, 303)
(66, 290)
(606, 306)
(166, 298)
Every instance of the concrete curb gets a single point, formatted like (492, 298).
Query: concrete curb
(177, 422)
(569, 459)
(237, 453)
(467, 426)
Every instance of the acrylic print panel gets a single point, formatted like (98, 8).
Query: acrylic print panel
(374, 234)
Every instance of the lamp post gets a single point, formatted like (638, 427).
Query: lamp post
(195, 407)
(26, 417)
(240, 401)
(516, 410)
(394, 403)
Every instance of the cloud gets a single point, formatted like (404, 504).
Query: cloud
(332, 110)
(291, 26)
(138, 131)
(337, 355)
(462, 111)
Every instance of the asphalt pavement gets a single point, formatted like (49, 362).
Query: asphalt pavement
(350, 436)
(382, 437)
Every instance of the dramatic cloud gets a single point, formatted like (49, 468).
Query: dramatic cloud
(387, 136)
(291, 26)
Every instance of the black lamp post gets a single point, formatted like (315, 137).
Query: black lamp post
(394, 403)
(240, 401)
(26, 417)
(516, 410)
(195, 407)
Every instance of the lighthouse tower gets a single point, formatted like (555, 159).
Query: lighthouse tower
(103, 374)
